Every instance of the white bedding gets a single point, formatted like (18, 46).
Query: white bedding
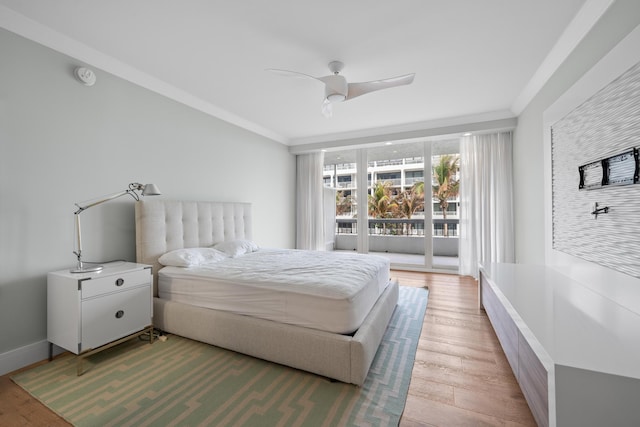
(322, 290)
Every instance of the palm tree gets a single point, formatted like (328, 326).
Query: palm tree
(343, 203)
(381, 201)
(448, 186)
(418, 187)
(382, 204)
(411, 201)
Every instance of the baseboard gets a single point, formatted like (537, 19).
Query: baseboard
(25, 356)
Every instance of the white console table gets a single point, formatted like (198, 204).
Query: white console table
(574, 352)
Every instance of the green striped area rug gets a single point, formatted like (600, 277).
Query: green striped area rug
(181, 382)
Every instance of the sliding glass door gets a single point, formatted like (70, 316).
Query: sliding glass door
(395, 205)
(410, 210)
(445, 190)
(340, 174)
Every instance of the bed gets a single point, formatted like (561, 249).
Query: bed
(334, 346)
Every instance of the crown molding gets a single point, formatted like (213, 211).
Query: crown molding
(577, 29)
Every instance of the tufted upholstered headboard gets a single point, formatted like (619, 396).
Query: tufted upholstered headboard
(165, 225)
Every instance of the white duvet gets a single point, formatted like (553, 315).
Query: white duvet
(330, 291)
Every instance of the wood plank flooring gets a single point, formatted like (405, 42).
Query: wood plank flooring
(460, 377)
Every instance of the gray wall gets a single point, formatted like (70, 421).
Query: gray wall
(619, 20)
(62, 142)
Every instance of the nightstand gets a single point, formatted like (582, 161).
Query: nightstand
(90, 312)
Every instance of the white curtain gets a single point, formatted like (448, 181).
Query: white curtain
(309, 218)
(486, 201)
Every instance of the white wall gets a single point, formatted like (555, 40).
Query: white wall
(532, 162)
(618, 21)
(62, 142)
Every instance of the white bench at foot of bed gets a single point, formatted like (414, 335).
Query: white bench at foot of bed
(341, 357)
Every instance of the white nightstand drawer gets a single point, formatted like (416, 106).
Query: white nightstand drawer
(114, 283)
(114, 316)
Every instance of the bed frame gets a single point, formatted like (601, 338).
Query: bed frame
(165, 225)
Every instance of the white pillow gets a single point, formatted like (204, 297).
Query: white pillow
(234, 248)
(191, 257)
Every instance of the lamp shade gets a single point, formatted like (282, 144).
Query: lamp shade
(151, 190)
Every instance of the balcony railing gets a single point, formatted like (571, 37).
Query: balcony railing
(399, 227)
(344, 184)
(391, 181)
(410, 180)
(382, 163)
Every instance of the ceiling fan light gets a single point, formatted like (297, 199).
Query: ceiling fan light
(327, 109)
(336, 97)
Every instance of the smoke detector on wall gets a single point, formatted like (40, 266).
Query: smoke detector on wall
(85, 76)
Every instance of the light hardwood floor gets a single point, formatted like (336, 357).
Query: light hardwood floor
(460, 377)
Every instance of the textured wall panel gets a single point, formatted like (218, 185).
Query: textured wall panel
(606, 124)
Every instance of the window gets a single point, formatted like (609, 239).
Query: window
(393, 215)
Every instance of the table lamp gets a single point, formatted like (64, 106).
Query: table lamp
(135, 190)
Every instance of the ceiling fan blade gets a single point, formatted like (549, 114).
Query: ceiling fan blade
(357, 89)
(288, 73)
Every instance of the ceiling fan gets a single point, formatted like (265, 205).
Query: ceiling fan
(337, 89)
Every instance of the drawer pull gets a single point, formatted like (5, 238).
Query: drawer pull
(119, 314)
(120, 282)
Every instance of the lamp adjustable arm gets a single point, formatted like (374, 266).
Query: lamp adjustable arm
(133, 187)
(114, 196)
(145, 190)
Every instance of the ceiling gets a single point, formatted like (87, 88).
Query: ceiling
(473, 59)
